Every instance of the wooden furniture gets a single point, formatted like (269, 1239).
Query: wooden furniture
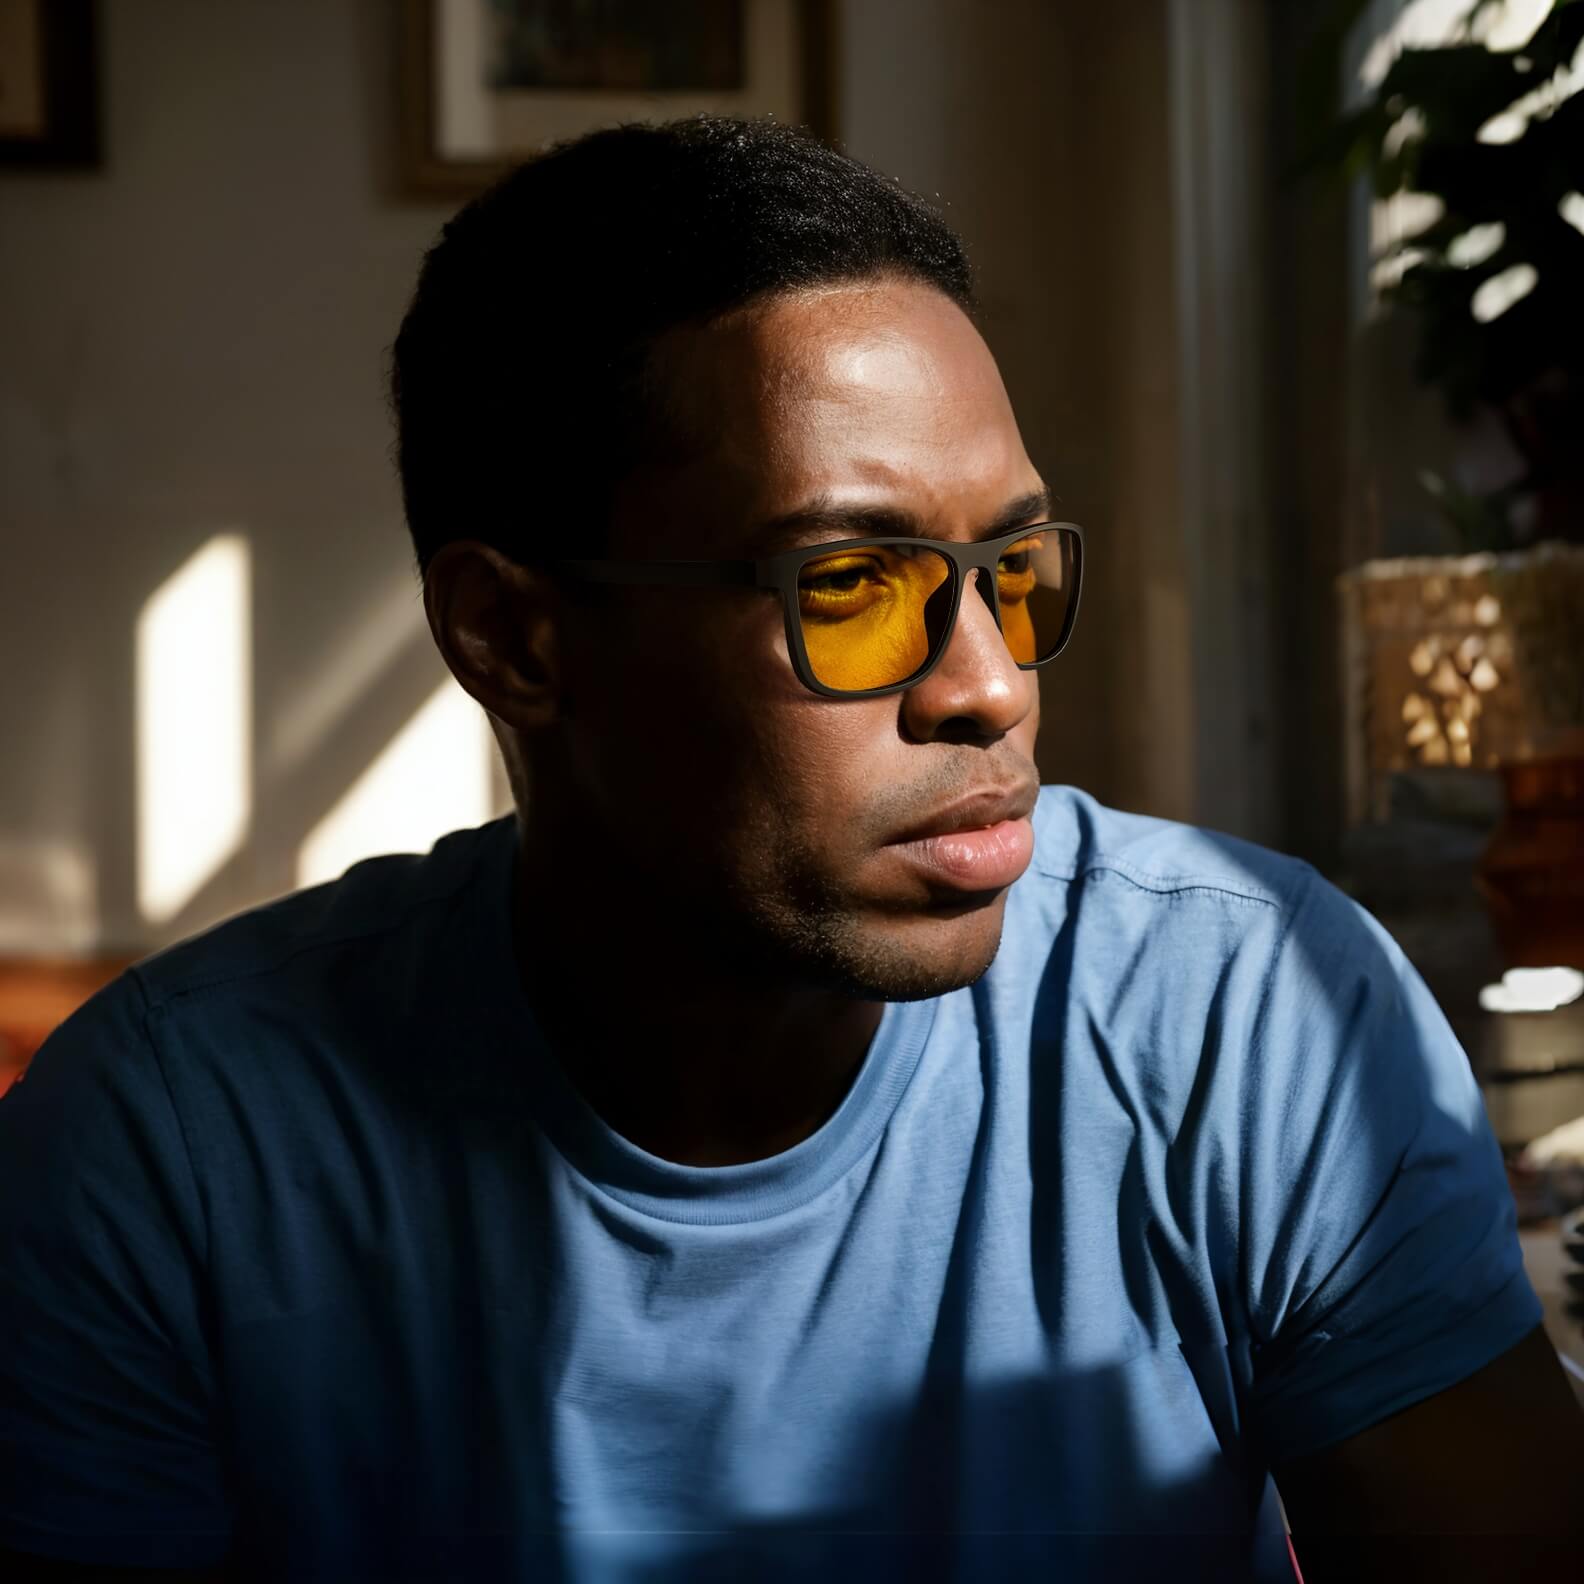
(37, 995)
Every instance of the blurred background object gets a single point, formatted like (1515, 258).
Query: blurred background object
(1473, 140)
(1474, 145)
(49, 85)
(487, 82)
(1463, 134)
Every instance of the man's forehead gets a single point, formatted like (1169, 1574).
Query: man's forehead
(900, 357)
(831, 404)
(893, 335)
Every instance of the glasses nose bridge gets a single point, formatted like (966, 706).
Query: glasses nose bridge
(981, 575)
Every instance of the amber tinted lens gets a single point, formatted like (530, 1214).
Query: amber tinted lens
(1037, 580)
(871, 617)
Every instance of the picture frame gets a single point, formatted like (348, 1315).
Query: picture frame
(486, 84)
(49, 85)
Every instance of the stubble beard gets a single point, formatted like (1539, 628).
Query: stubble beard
(799, 922)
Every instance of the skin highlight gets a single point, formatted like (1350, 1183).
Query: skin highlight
(709, 917)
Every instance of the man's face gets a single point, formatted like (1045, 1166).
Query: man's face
(765, 814)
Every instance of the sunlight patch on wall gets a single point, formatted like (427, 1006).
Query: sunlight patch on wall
(194, 729)
(431, 778)
(1472, 247)
(1500, 25)
(1537, 105)
(1508, 24)
(1421, 24)
(1496, 295)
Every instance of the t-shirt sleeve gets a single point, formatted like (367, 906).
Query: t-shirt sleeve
(106, 1447)
(1381, 1237)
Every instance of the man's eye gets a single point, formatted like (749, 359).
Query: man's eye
(844, 577)
(834, 582)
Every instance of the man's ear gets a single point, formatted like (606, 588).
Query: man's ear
(498, 627)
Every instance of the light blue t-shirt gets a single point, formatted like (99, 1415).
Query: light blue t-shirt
(310, 1255)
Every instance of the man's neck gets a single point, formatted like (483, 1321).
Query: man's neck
(695, 1068)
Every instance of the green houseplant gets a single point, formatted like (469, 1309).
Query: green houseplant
(1490, 145)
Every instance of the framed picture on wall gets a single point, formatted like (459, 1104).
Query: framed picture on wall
(489, 83)
(49, 112)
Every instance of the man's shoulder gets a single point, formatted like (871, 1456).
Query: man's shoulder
(1146, 862)
(1176, 912)
(372, 900)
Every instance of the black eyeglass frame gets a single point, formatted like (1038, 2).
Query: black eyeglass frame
(780, 572)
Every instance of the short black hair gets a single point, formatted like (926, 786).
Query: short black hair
(517, 377)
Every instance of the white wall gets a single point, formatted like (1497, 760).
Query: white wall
(191, 342)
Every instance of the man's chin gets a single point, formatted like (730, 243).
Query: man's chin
(916, 959)
(874, 948)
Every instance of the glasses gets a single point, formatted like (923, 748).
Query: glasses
(867, 617)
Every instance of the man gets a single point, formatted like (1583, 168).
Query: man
(796, 1144)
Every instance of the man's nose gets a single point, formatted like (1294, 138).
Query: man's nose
(977, 678)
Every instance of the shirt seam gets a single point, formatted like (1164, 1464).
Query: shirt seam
(1341, 1341)
(204, 1367)
(1165, 885)
(1353, 1336)
(149, 1013)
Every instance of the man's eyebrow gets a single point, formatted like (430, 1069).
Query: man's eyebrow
(862, 522)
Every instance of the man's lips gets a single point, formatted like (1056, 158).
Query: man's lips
(979, 843)
(985, 807)
(974, 860)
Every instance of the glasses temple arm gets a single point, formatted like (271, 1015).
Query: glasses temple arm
(660, 572)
